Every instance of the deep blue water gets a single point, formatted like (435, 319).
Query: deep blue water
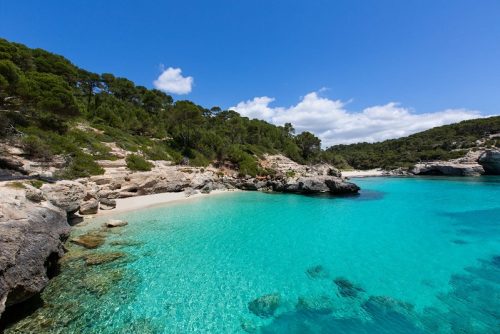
(409, 255)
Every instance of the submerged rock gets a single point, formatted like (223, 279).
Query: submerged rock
(126, 243)
(319, 305)
(381, 306)
(101, 258)
(265, 306)
(116, 223)
(317, 272)
(347, 288)
(90, 240)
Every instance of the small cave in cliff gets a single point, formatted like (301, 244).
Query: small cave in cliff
(52, 265)
(432, 172)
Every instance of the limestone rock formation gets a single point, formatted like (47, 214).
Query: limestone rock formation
(490, 160)
(450, 168)
(89, 207)
(31, 242)
(67, 195)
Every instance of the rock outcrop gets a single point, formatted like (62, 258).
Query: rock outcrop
(450, 168)
(31, 242)
(490, 160)
(67, 195)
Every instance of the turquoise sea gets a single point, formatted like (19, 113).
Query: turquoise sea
(408, 255)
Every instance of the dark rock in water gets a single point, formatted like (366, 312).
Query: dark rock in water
(317, 272)
(459, 242)
(90, 240)
(347, 288)
(101, 258)
(490, 160)
(383, 306)
(319, 305)
(495, 261)
(265, 306)
(339, 187)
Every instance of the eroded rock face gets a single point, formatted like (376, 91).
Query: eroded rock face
(89, 207)
(448, 168)
(67, 195)
(490, 160)
(31, 242)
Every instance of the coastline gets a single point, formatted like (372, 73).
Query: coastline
(152, 200)
(364, 173)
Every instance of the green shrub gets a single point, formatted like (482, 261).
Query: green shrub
(81, 165)
(35, 148)
(138, 163)
(16, 185)
(37, 183)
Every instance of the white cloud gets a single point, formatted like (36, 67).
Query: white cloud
(172, 81)
(330, 120)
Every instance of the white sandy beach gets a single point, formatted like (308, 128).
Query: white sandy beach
(145, 201)
(364, 173)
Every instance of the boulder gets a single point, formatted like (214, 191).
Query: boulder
(115, 223)
(490, 160)
(33, 194)
(67, 195)
(265, 306)
(317, 184)
(31, 242)
(89, 208)
(339, 186)
(107, 204)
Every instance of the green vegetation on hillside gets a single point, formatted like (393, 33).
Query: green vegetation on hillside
(440, 143)
(52, 105)
(55, 108)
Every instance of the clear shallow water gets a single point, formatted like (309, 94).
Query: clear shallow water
(409, 255)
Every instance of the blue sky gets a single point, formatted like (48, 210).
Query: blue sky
(413, 57)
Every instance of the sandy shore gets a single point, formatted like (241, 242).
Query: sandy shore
(146, 201)
(364, 173)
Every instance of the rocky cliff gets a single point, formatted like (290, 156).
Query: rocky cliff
(32, 231)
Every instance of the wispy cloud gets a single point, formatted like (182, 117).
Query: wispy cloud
(172, 81)
(334, 124)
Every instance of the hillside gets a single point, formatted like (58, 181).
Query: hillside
(440, 143)
(56, 112)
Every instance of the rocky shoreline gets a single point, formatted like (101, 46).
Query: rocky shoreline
(35, 222)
